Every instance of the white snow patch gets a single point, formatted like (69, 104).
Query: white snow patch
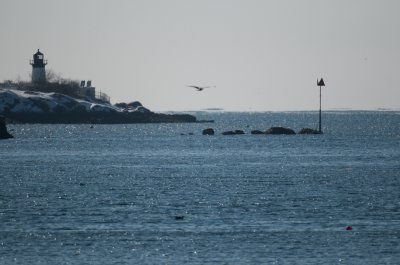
(17, 101)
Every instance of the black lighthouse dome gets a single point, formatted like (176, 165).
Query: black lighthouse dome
(38, 60)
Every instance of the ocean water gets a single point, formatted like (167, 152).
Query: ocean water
(72, 194)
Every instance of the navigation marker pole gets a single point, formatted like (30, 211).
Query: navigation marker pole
(320, 83)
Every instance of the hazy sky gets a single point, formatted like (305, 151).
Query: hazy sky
(260, 54)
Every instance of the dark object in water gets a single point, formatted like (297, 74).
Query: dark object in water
(179, 217)
(208, 131)
(257, 132)
(4, 134)
(349, 228)
(280, 130)
(233, 132)
(229, 133)
(309, 131)
(187, 134)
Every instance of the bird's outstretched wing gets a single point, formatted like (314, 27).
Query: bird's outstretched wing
(199, 88)
(196, 87)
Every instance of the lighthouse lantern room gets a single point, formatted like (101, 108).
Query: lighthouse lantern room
(38, 67)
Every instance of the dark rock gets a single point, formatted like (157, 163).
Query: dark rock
(309, 131)
(229, 133)
(135, 104)
(121, 105)
(3, 129)
(208, 131)
(132, 106)
(257, 132)
(235, 132)
(79, 109)
(179, 217)
(280, 130)
(142, 109)
(41, 104)
(167, 118)
(59, 109)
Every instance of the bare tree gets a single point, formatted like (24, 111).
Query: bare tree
(53, 77)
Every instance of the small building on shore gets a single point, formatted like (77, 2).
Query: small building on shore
(87, 90)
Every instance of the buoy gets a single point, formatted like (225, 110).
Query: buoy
(349, 227)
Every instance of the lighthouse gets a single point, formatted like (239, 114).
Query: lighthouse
(38, 68)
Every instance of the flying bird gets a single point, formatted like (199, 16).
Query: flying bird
(200, 88)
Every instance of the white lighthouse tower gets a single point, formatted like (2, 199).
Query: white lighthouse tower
(38, 68)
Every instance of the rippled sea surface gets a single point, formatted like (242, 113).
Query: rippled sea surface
(153, 194)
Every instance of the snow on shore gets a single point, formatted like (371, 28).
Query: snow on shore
(16, 101)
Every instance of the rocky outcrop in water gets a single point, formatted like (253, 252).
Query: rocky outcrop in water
(309, 131)
(280, 130)
(4, 134)
(235, 132)
(228, 133)
(257, 132)
(208, 131)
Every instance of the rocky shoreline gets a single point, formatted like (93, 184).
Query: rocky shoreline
(54, 108)
(99, 118)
